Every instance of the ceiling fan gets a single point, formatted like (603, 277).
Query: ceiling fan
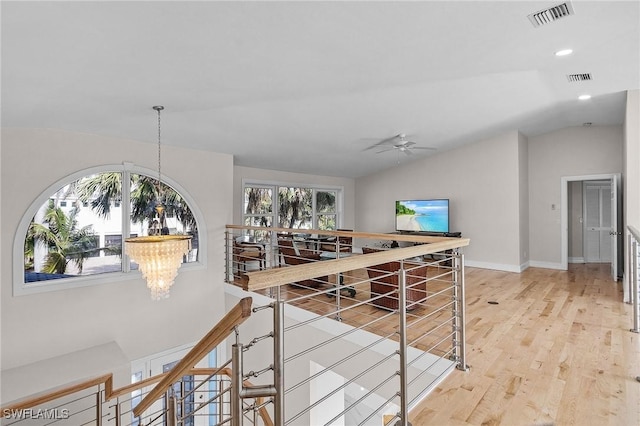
(399, 143)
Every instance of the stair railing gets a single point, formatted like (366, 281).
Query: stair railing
(95, 401)
(402, 376)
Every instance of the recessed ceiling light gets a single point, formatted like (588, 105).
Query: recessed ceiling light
(564, 52)
(584, 97)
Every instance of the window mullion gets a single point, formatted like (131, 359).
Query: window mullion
(126, 213)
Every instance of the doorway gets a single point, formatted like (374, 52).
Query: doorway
(595, 228)
(185, 391)
(596, 207)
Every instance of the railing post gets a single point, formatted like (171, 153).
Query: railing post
(402, 351)
(228, 258)
(221, 404)
(171, 407)
(278, 358)
(634, 285)
(236, 384)
(459, 310)
(116, 412)
(98, 408)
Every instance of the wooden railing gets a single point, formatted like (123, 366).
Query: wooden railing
(425, 245)
(408, 303)
(236, 316)
(105, 380)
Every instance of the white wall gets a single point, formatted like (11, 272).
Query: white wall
(572, 151)
(241, 173)
(631, 178)
(46, 325)
(632, 159)
(483, 182)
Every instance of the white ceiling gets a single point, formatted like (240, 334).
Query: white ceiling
(307, 86)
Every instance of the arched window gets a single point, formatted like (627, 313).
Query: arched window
(73, 234)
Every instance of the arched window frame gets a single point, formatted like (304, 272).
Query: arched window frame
(21, 288)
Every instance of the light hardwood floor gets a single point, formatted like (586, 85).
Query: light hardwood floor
(556, 350)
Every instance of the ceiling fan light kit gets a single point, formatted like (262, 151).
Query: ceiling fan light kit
(399, 143)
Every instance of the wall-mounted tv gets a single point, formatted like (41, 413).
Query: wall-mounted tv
(422, 215)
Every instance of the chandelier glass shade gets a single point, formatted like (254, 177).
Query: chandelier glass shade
(159, 257)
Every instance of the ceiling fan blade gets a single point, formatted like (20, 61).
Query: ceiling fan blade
(385, 150)
(383, 142)
(425, 147)
(407, 151)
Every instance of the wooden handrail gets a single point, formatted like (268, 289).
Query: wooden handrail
(106, 379)
(236, 316)
(110, 393)
(263, 279)
(355, 234)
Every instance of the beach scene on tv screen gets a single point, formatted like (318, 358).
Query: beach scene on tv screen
(422, 215)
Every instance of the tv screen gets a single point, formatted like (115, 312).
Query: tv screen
(422, 215)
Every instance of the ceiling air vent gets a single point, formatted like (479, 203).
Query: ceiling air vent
(578, 77)
(551, 14)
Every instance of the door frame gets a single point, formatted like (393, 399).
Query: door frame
(564, 210)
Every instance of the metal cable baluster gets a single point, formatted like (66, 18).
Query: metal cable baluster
(278, 358)
(459, 267)
(634, 286)
(98, 408)
(402, 302)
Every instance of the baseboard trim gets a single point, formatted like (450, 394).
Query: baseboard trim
(576, 260)
(494, 266)
(546, 265)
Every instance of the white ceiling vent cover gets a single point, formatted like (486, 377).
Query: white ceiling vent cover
(579, 77)
(551, 14)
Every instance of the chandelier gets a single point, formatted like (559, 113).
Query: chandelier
(159, 254)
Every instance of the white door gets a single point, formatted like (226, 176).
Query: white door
(597, 221)
(162, 363)
(615, 234)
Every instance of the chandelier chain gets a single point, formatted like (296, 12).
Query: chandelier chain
(159, 108)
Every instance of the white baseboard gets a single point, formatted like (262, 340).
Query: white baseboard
(576, 260)
(545, 265)
(494, 266)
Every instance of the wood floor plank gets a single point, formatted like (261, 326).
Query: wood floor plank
(556, 350)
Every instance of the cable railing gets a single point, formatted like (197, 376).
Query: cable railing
(360, 333)
(634, 275)
(341, 329)
(185, 395)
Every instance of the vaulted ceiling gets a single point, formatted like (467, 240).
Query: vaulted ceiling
(309, 86)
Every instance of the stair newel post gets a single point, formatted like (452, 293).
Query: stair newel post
(278, 358)
(236, 384)
(170, 403)
(402, 350)
(459, 343)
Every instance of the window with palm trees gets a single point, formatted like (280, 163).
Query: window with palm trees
(295, 207)
(78, 231)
